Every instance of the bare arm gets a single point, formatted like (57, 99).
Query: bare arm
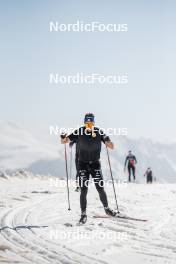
(65, 140)
(109, 144)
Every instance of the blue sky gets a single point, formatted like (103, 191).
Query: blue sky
(29, 52)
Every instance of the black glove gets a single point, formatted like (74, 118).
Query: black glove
(63, 135)
(106, 138)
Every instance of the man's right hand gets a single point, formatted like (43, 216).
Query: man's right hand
(64, 139)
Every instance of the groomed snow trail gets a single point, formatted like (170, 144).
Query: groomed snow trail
(36, 227)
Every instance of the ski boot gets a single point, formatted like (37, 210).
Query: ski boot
(83, 218)
(110, 212)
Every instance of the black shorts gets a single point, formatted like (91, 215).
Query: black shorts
(85, 169)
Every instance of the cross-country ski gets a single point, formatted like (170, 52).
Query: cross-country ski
(122, 217)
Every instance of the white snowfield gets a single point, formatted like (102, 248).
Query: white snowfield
(36, 226)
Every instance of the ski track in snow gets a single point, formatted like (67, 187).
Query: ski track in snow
(33, 215)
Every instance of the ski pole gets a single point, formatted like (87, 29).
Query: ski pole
(71, 158)
(115, 196)
(66, 170)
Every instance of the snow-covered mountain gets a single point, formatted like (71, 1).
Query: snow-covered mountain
(19, 149)
(160, 157)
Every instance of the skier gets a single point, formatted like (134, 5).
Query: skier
(131, 160)
(76, 163)
(149, 175)
(89, 139)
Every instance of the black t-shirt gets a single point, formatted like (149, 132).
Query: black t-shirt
(88, 143)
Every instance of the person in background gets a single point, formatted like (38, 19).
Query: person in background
(149, 175)
(130, 161)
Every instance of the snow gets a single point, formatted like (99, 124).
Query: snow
(41, 202)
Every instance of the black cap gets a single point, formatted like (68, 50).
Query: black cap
(89, 117)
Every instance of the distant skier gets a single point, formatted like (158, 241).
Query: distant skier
(130, 161)
(89, 139)
(149, 175)
(76, 163)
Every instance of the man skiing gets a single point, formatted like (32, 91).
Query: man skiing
(88, 139)
(149, 175)
(131, 160)
(76, 163)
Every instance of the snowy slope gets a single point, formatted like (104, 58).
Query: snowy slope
(36, 226)
(20, 149)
